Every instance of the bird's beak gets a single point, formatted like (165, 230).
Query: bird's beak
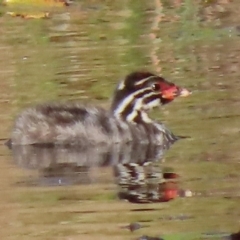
(183, 92)
(174, 91)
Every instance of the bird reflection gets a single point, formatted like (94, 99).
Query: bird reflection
(145, 183)
(135, 167)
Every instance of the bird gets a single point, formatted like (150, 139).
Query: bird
(127, 120)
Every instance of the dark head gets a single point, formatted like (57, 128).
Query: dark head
(142, 91)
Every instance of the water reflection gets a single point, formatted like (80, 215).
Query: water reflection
(144, 183)
(135, 168)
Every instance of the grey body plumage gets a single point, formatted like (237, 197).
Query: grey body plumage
(75, 124)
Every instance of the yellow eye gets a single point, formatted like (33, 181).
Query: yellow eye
(155, 87)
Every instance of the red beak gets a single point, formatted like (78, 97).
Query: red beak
(174, 91)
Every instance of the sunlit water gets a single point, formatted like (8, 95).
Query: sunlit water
(80, 53)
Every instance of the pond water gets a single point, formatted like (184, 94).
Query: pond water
(80, 53)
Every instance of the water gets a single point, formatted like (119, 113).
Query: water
(80, 53)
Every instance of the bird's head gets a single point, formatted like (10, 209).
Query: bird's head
(142, 91)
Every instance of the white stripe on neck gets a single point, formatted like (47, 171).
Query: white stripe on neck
(122, 106)
(139, 106)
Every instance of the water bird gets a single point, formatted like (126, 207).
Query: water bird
(127, 120)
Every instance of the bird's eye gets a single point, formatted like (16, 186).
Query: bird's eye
(155, 87)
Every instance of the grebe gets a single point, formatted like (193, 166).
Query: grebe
(127, 120)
